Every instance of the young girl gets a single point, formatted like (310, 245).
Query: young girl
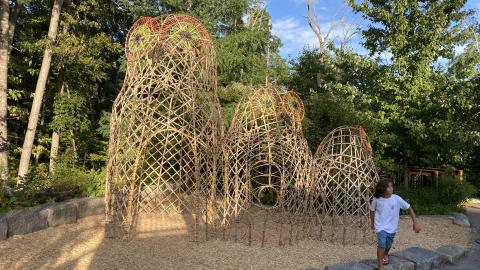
(384, 215)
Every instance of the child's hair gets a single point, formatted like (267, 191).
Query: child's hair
(381, 187)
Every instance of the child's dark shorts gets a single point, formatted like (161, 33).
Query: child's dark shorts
(385, 239)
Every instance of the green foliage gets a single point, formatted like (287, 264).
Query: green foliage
(416, 108)
(68, 181)
(242, 57)
(443, 199)
(69, 114)
(451, 190)
(90, 183)
(229, 96)
(420, 103)
(417, 33)
(325, 112)
(268, 197)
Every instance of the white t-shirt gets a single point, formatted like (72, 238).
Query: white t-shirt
(387, 212)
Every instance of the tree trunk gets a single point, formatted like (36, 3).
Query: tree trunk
(39, 91)
(4, 50)
(13, 23)
(314, 24)
(55, 135)
(54, 151)
(61, 87)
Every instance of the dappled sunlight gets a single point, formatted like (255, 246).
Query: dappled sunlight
(55, 247)
(168, 243)
(161, 225)
(82, 251)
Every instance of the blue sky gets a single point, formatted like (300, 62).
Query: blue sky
(289, 22)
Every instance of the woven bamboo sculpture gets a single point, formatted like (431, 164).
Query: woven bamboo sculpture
(257, 183)
(266, 161)
(166, 122)
(343, 175)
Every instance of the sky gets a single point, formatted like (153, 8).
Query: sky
(289, 23)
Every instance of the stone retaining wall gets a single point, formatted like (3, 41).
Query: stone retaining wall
(413, 258)
(49, 215)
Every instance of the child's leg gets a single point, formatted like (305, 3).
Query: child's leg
(380, 256)
(389, 243)
(381, 248)
(385, 255)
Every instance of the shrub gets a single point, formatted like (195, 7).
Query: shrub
(84, 183)
(443, 199)
(452, 190)
(41, 186)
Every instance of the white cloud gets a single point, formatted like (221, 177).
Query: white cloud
(386, 56)
(293, 35)
(459, 49)
(296, 35)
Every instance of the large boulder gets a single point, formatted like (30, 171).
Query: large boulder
(461, 219)
(424, 259)
(25, 221)
(59, 213)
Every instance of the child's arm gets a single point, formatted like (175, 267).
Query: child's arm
(372, 220)
(373, 207)
(416, 227)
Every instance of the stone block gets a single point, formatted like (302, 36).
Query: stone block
(89, 206)
(25, 221)
(3, 228)
(349, 266)
(461, 219)
(59, 213)
(424, 259)
(396, 263)
(453, 252)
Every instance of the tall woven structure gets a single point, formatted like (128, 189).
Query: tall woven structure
(258, 183)
(165, 127)
(343, 175)
(266, 161)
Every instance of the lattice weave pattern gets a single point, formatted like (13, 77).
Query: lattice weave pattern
(343, 173)
(166, 123)
(266, 162)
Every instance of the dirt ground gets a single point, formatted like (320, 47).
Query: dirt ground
(82, 245)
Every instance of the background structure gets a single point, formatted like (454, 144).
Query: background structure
(343, 177)
(267, 161)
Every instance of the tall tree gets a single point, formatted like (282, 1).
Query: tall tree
(417, 35)
(39, 92)
(7, 25)
(4, 45)
(250, 53)
(82, 60)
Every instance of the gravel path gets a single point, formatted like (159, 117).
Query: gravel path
(82, 246)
